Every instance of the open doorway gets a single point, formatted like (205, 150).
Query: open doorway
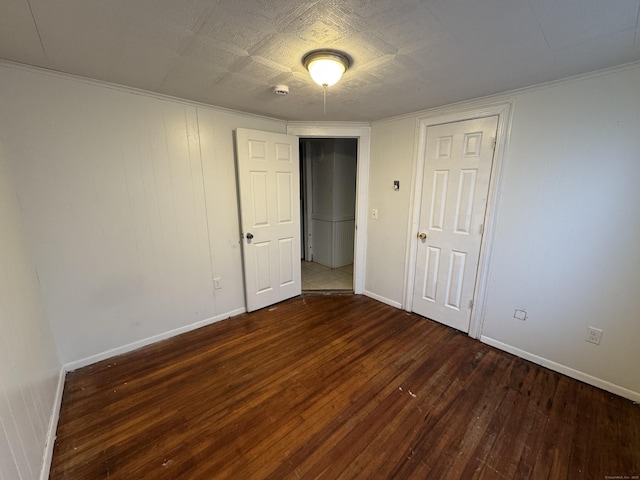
(362, 133)
(328, 168)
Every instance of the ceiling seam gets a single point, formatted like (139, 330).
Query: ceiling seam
(201, 21)
(35, 24)
(635, 38)
(544, 35)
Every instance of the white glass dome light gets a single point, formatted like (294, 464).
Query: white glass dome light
(326, 66)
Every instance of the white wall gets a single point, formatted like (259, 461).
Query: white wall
(392, 147)
(567, 239)
(567, 244)
(29, 367)
(130, 207)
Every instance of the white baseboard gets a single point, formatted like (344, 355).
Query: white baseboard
(83, 362)
(382, 299)
(53, 426)
(569, 372)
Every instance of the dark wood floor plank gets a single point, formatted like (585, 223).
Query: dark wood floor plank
(404, 425)
(336, 387)
(561, 419)
(340, 390)
(393, 364)
(425, 453)
(470, 414)
(419, 400)
(546, 385)
(368, 424)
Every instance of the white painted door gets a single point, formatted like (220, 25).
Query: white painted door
(269, 182)
(457, 171)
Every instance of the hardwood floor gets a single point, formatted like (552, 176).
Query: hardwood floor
(337, 387)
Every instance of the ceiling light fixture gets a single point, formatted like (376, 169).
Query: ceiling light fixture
(326, 68)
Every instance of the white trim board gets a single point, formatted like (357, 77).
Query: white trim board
(83, 362)
(132, 90)
(504, 111)
(362, 132)
(382, 299)
(508, 94)
(563, 369)
(53, 426)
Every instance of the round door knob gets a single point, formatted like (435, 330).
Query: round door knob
(249, 236)
(422, 236)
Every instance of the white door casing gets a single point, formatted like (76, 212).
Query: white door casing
(269, 189)
(457, 173)
(308, 203)
(362, 132)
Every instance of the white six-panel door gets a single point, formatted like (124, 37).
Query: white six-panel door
(457, 171)
(269, 182)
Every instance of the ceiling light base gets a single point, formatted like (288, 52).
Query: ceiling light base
(326, 66)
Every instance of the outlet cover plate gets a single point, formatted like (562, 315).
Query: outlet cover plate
(594, 335)
(520, 314)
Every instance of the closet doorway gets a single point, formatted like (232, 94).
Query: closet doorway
(328, 173)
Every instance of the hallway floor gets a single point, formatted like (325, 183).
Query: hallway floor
(319, 277)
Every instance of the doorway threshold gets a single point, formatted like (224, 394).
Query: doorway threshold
(310, 293)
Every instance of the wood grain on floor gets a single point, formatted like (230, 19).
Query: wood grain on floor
(337, 387)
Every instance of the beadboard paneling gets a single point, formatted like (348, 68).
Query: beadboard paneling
(322, 242)
(343, 238)
(29, 365)
(130, 206)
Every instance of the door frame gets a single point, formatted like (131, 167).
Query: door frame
(361, 132)
(503, 110)
(306, 192)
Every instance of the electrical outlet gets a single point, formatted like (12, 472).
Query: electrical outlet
(594, 335)
(520, 315)
(217, 285)
(374, 213)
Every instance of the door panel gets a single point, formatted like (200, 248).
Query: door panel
(263, 266)
(458, 160)
(285, 208)
(259, 199)
(287, 261)
(455, 278)
(431, 273)
(268, 178)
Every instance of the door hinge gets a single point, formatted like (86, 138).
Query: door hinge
(495, 141)
(470, 304)
(482, 229)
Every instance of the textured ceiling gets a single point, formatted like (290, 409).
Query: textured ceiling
(408, 55)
